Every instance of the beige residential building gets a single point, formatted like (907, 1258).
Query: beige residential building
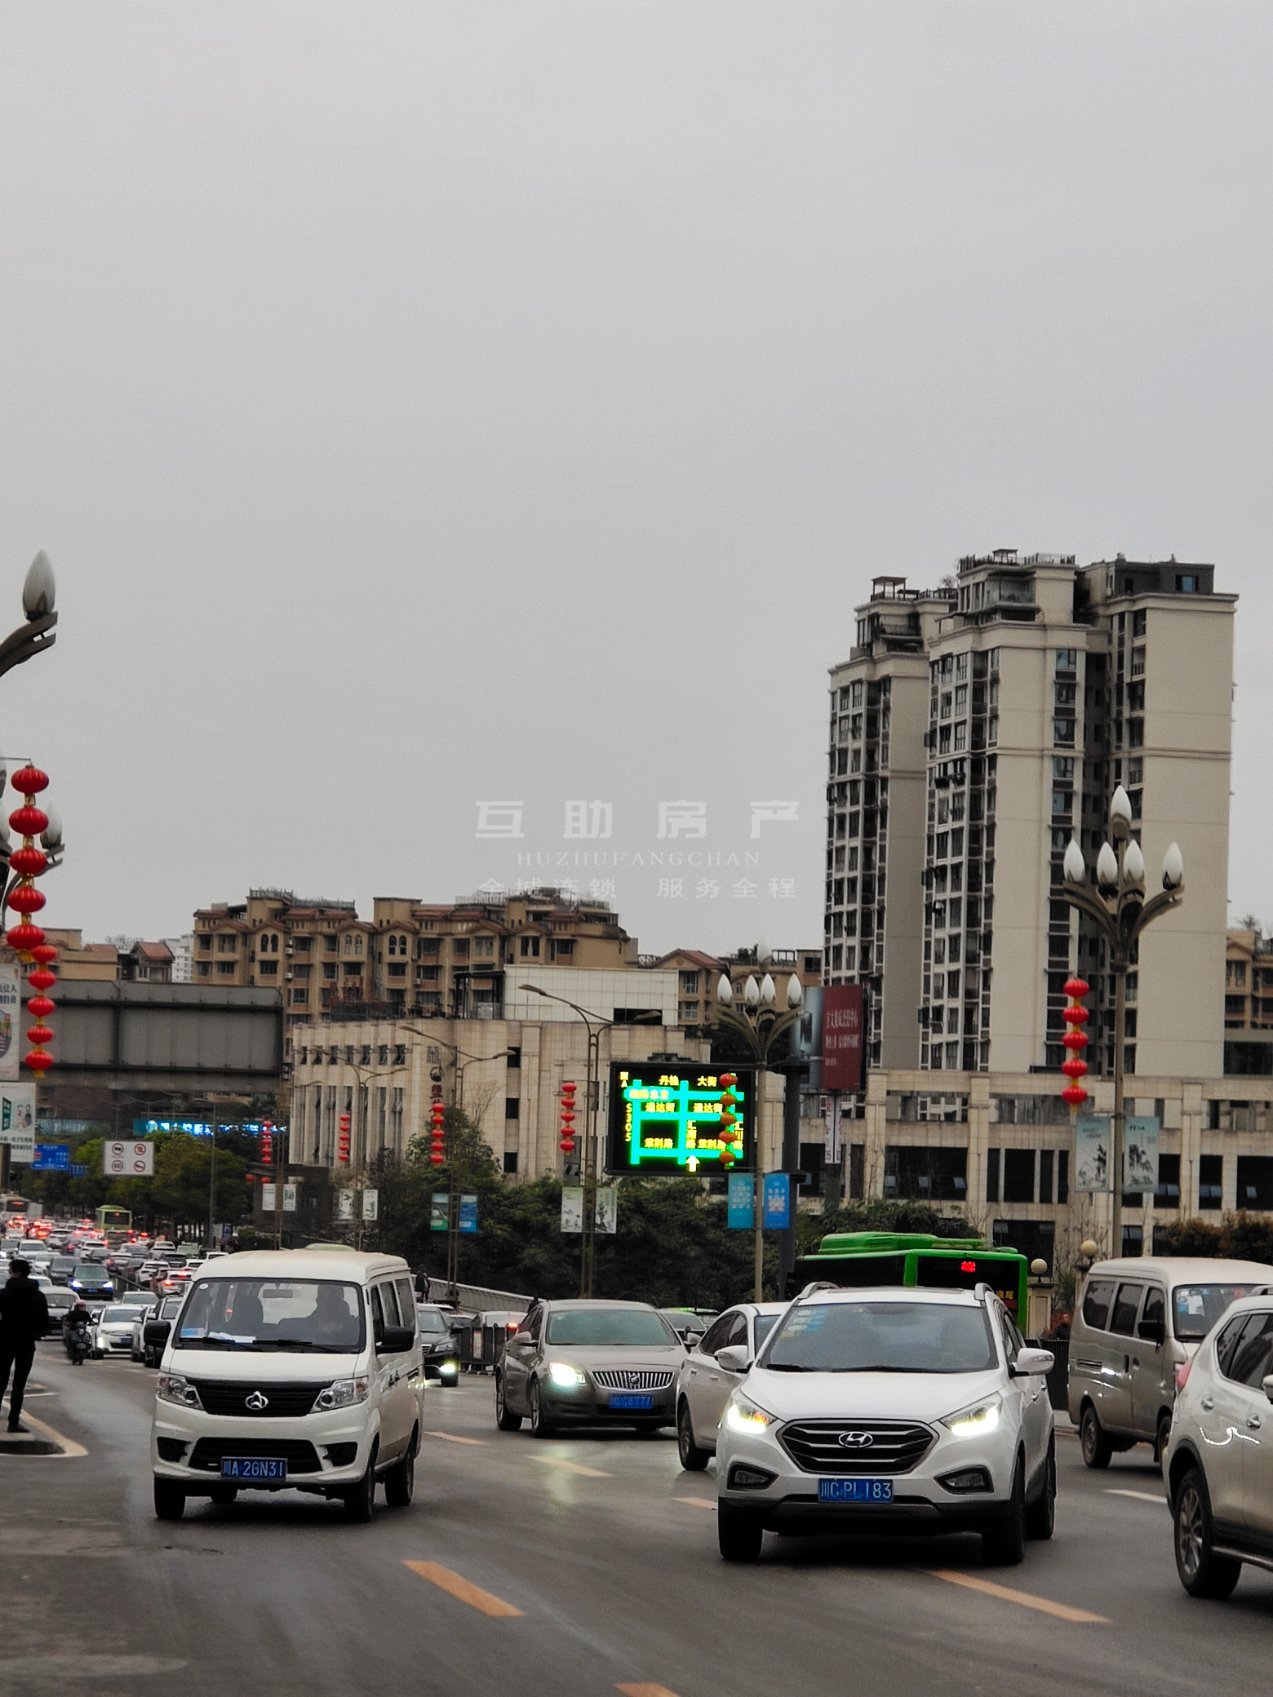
(975, 730)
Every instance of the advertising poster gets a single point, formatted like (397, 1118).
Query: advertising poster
(776, 1208)
(1091, 1153)
(10, 1020)
(344, 1204)
(843, 1019)
(607, 1215)
(571, 1208)
(1140, 1154)
(468, 1215)
(17, 1120)
(739, 1202)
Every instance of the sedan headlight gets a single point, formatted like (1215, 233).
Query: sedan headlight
(342, 1393)
(744, 1416)
(173, 1388)
(565, 1377)
(974, 1422)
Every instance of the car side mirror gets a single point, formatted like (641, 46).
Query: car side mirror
(733, 1358)
(1152, 1331)
(393, 1340)
(155, 1333)
(523, 1340)
(1031, 1361)
(1266, 1385)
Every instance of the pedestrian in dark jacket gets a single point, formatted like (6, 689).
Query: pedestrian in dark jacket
(24, 1317)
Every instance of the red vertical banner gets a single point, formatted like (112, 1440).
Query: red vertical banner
(843, 1035)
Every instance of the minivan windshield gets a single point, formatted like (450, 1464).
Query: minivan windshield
(322, 1316)
(1196, 1308)
(882, 1337)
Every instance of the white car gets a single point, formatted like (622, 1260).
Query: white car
(704, 1385)
(889, 1410)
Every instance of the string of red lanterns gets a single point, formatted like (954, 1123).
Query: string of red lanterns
(731, 1133)
(342, 1148)
(437, 1111)
(1074, 1066)
(567, 1144)
(26, 937)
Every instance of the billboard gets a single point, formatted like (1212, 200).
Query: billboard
(1140, 1154)
(1091, 1153)
(17, 1120)
(10, 1020)
(665, 1117)
(843, 1030)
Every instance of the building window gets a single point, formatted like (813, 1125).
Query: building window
(512, 1108)
(1210, 1181)
(510, 1160)
(528, 947)
(992, 1175)
(1018, 1175)
(1066, 659)
(1255, 1181)
(1167, 1191)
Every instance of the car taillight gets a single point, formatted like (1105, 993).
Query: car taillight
(1182, 1374)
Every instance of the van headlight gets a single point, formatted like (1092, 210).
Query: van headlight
(342, 1393)
(976, 1421)
(173, 1388)
(744, 1416)
(565, 1377)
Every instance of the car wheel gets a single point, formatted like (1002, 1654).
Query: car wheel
(1003, 1544)
(1202, 1572)
(1094, 1440)
(224, 1495)
(693, 1459)
(170, 1500)
(400, 1479)
(539, 1426)
(1164, 1432)
(505, 1419)
(1040, 1515)
(360, 1499)
(738, 1533)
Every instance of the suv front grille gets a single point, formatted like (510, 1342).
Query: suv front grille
(856, 1446)
(632, 1378)
(281, 1401)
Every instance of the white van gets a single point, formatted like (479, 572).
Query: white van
(290, 1370)
(1139, 1318)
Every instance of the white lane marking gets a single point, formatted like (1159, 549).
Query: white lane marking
(573, 1467)
(698, 1502)
(454, 1438)
(1140, 1496)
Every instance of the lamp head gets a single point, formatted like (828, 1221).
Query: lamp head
(751, 991)
(1120, 811)
(724, 990)
(1173, 868)
(1107, 871)
(768, 990)
(39, 591)
(1074, 866)
(1133, 866)
(795, 992)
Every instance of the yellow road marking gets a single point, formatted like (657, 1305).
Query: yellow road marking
(574, 1467)
(462, 1589)
(1140, 1496)
(645, 1691)
(1024, 1599)
(67, 1445)
(697, 1502)
(453, 1438)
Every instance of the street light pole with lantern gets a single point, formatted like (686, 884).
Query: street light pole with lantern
(1118, 907)
(759, 1024)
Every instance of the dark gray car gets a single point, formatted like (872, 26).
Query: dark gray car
(587, 1363)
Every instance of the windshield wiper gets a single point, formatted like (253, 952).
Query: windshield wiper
(878, 1367)
(788, 1367)
(305, 1346)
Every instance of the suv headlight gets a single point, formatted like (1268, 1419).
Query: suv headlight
(173, 1388)
(342, 1393)
(975, 1421)
(564, 1376)
(744, 1416)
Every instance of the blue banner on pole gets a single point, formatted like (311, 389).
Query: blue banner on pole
(777, 1202)
(740, 1194)
(468, 1214)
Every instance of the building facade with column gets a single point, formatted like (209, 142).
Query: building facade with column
(976, 729)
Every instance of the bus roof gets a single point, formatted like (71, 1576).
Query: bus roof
(899, 1243)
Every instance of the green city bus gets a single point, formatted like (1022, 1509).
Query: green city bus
(114, 1222)
(918, 1258)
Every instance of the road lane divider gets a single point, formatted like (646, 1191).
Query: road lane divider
(1160, 1499)
(573, 1467)
(1022, 1599)
(454, 1438)
(463, 1590)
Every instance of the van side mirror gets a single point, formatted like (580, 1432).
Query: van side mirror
(393, 1340)
(155, 1333)
(734, 1358)
(1152, 1331)
(1266, 1385)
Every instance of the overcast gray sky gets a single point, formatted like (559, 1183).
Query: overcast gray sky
(433, 406)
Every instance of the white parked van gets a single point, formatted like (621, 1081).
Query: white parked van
(294, 1369)
(1139, 1318)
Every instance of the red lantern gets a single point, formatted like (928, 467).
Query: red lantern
(42, 979)
(30, 861)
(45, 953)
(1076, 988)
(1075, 1016)
(29, 780)
(29, 821)
(1075, 1040)
(40, 1006)
(1074, 1068)
(26, 899)
(24, 937)
(39, 1035)
(39, 1061)
(1075, 1095)
(437, 1157)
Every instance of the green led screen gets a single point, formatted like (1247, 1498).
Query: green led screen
(665, 1117)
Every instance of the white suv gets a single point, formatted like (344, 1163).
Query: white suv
(1218, 1462)
(889, 1410)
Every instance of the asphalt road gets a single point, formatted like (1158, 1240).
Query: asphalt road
(577, 1566)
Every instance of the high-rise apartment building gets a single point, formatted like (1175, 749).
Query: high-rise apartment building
(975, 729)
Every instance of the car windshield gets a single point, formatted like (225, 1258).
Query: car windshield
(608, 1328)
(89, 1272)
(882, 1337)
(114, 1312)
(1196, 1308)
(323, 1316)
(432, 1322)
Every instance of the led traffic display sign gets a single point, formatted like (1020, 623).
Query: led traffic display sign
(665, 1117)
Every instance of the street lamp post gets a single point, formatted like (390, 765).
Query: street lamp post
(588, 1225)
(759, 1024)
(1118, 907)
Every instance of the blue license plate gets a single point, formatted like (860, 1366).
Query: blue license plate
(855, 1490)
(632, 1402)
(248, 1469)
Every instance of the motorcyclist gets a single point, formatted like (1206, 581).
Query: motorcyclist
(77, 1316)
